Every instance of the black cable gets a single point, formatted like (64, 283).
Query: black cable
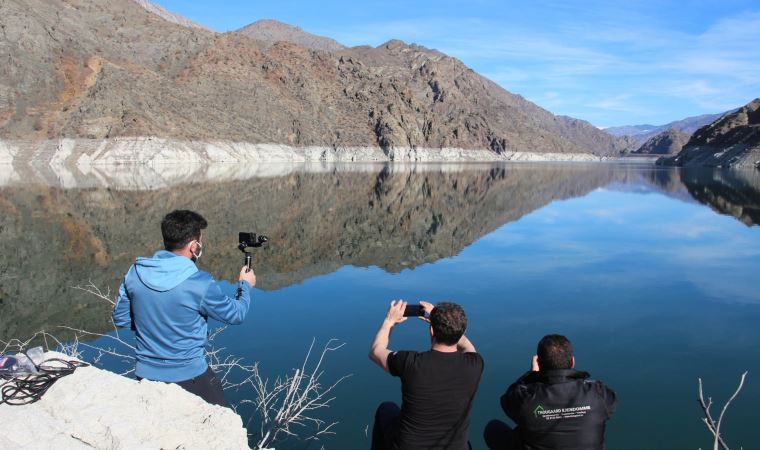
(26, 389)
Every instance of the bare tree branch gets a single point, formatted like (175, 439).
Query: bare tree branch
(90, 288)
(18, 345)
(712, 425)
(291, 400)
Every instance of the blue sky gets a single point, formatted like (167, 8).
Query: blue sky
(611, 64)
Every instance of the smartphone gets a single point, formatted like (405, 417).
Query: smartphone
(413, 311)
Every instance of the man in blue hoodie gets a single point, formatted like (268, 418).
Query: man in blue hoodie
(167, 301)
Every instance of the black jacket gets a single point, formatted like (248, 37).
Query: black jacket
(559, 409)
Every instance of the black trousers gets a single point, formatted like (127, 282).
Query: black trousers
(385, 426)
(206, 386)
(500, 436)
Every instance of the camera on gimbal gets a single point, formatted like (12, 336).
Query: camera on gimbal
(250, 240)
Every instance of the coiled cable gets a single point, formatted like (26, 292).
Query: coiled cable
(23, 389)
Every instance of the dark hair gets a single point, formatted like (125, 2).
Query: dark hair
(180, 227)
(449, 322)
(555, 352)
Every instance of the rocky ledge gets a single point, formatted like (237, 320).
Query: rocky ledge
(93, 408)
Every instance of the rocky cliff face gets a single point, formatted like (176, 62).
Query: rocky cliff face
(272, 31)
(109, 68)
(668, 142)
(731, 141)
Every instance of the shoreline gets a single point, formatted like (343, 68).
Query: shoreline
(159, 151)
(149, 163)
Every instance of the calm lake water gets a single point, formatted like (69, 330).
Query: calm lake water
(651, 272)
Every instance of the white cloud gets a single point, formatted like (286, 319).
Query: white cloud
(622, 102)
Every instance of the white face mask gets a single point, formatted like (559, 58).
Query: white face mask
(198, 255)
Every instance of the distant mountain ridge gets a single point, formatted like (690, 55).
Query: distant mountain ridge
(630, 130)
(109, 68)
(273, 31)
(642, 133)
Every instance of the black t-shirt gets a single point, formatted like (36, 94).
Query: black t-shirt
(438, 389)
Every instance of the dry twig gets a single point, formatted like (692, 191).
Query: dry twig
(291, 401)
(90, 288)
(17, 345)
(712, 425)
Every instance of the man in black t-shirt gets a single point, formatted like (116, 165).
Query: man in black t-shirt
(554, 405)
(438, 386)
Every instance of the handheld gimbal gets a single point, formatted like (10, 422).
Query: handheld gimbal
(250, 240)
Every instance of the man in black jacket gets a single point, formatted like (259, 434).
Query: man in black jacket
(553, 405)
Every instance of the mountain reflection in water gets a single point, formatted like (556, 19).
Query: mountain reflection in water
(732, 192)
(60, 231)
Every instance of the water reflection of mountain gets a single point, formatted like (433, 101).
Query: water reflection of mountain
(317, 222)
(733, 192)
(648, 179)
(392, 217)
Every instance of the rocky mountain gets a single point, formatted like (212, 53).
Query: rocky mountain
(642, 133)
(272, 31)
(731, 141)
(578, 130)
(668, 142)
(109, 68)
(169, 16)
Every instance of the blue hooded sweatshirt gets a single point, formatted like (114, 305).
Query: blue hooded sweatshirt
(167, 301)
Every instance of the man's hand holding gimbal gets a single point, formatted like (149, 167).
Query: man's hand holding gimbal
(248, 276)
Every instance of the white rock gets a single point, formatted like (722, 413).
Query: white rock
(93, 408)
